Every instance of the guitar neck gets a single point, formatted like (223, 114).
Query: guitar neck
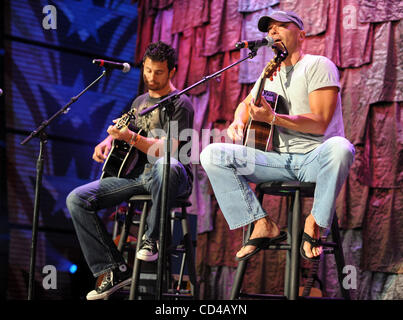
(125, 119)
(258, 96)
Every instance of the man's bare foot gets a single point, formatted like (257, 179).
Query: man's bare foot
(263, 228)
(312, 229)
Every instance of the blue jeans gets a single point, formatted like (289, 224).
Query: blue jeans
(232, 167)
(83, 203)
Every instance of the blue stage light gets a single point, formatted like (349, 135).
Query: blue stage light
(73, 268)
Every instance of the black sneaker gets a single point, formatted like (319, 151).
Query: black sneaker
(148, 250)
(112, 281)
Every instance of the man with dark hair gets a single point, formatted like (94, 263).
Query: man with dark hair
(99, 250)
(159, 51)
(308, 143)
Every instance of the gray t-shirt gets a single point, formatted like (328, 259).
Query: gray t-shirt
(295, 84)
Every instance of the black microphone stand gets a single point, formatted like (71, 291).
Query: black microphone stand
(168, 104)
(41, 133)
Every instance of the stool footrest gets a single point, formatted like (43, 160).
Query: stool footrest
(330, 244)
(280, 246)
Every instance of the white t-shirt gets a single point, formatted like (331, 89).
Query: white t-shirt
(294, 84)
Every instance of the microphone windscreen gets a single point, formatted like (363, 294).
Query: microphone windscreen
(126, 67)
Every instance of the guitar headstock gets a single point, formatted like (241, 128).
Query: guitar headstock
(125, 119)
(273, 66)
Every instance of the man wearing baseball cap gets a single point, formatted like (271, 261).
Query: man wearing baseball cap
(308, 143)
(280, 16)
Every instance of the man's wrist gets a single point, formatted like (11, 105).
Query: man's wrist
(273, 120)
(134, 139)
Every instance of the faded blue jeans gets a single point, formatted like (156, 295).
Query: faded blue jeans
(96, 243)
(230, 167)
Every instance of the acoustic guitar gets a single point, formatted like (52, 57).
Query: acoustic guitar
(123, 157)
(259, 134)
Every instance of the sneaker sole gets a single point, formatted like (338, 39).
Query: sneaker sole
(105, 294)
(146, 257)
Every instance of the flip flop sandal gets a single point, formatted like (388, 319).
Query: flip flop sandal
(314, 244)
(262, 243)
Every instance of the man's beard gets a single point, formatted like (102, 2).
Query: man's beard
(155, 86)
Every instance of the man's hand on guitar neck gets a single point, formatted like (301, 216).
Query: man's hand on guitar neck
(263, 113)
(102, 150)
(123, 134)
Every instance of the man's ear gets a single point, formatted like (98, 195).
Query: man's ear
(172, 73)
(302, 35)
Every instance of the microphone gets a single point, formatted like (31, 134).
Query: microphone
(255, 44)
(125, 67)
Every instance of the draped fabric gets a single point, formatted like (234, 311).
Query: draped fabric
(315, 21)
(255, 5)
(364, 39)
(380, 10)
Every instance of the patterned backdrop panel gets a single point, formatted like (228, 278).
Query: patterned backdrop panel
(41, 81)
(106, 27)
(44, 68)
(66, 166)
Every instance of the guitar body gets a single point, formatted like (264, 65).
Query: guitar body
(123, 157)
(259, 135)
(121, 160)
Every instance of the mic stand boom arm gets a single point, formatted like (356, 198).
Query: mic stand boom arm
(168, 104)
(40, 132)
(173, 97)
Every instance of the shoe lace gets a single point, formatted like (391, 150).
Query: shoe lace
(149, 244)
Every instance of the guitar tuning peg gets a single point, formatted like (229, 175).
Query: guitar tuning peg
(275, 73)
(271, 78)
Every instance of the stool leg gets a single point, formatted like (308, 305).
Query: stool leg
(240, 272)
(181, 272)
(190, 259)
(137, 262)
(295, 241)
(125, 230)
(290, 200)
(116, 224)
(339, 256)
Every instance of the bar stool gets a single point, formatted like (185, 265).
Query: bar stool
(294, 190)
(188, 257)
